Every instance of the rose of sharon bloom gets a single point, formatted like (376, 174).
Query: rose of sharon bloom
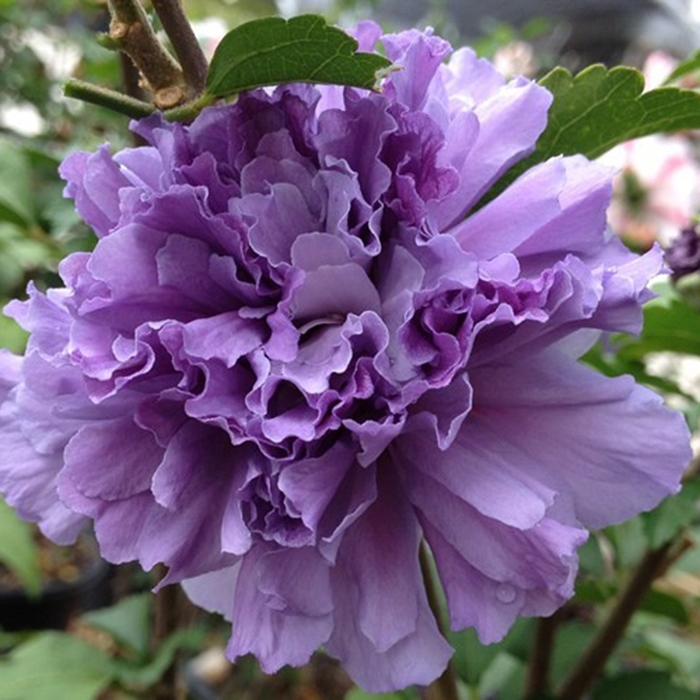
(297, 350)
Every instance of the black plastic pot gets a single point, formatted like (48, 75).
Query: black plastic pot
(58, 602)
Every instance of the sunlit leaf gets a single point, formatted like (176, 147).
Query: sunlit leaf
(600, 108)
(272, 51)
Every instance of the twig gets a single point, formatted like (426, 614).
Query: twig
(166, 620)
(538, 671)
(187, 48)
(591, 664)
(445, 687)
(133, 33)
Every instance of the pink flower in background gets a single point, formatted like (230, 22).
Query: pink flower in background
(657, 188)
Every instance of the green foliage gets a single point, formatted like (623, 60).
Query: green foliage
(673, 515)
(669, 324)
(145, 675)
(128, 622)
(16, 192)
(684, 68)
(54, 665)
(641, 685)
(600, 108)
(303, 49)
(17, 549)
(57, 664)
(665, 605)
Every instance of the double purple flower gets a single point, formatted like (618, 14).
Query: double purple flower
(297, 350)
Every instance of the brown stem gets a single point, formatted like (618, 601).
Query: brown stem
(133, 33)
(166, 620)
(538, 671)
(187, 48)
(445, 687)
(604, 643)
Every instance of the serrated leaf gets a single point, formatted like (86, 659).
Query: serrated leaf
(17, 549)
(600, 108)
(272, 51)
(54, 665)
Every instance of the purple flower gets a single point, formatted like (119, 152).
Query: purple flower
(683, 254)
(296, 350)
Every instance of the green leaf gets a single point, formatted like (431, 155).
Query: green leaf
(12, 336)
(504, 678)
(16, 191)
(690, 65)
(669, 324)
(17, 549)
(680, 655)
(600, 108)
(666, 605)
(629, 540)
(641, 685)
(147, 675)
(128, 621)
(54, 665)
(471, 657)
(571, 641)
(305, 49)
(672, 515)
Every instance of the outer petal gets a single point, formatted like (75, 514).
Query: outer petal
(608, 447)
(282, 607)
(384, 633)
(137, 527)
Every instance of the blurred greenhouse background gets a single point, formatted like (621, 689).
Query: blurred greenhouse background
(44, 43)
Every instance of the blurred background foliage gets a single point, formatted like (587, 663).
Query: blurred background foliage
(116, 653)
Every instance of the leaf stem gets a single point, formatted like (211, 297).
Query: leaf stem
(445, 687)
(189, 53)
(593, 661)
(104, 97)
